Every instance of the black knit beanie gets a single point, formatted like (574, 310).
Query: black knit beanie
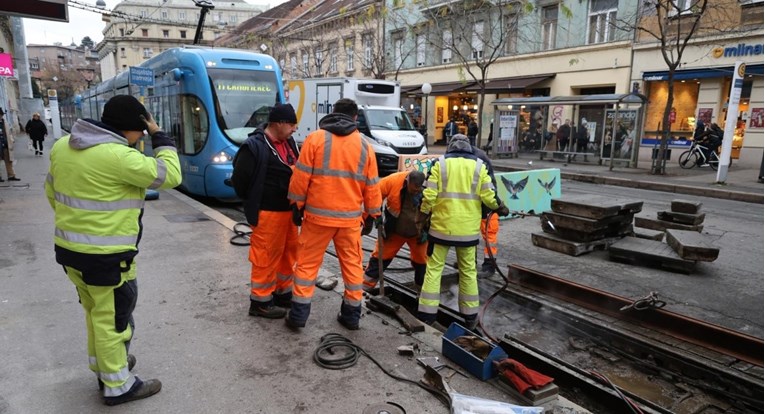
(123, 113)
(282, 113)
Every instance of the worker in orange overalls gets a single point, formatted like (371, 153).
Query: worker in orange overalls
(403, 224)
(489, 225)
(334, 183)
(262, 170)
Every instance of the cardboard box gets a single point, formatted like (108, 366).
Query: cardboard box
(481, 368)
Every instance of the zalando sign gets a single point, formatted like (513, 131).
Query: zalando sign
(740, 50)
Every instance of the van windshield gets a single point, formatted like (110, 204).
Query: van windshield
(242, 100)
(390, 119)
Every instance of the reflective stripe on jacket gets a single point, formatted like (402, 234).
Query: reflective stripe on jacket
(455, 189)
(96, 186)
(334, 178)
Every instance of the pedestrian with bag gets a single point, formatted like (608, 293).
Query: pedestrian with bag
(6, 149)
(403, 224)
(334, 183)
(98, 208)
(37, 132)
(563, 134)
(457, 186)
(582, 138)
(263, 167)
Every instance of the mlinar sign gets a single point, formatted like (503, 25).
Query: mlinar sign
(740, 50)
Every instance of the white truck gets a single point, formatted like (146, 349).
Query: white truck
(381, 119)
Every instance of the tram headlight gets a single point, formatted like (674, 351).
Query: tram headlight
(221, 158)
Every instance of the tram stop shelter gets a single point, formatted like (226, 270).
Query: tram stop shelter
(611, 123)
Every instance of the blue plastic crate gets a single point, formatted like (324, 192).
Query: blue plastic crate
(481, 368)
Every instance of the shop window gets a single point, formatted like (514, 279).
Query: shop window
(549, 26)
(602, 20)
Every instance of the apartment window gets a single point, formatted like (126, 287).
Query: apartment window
(144, 14)
(147, 52)
(549, 26)
(333, 59)
(183, 34)
(398, 48)
(306, 70)
(477, 41)
(124, 68)
(122, 32)
(349, 55)
(511, 34)
(282, 63)
(166, 34)
(182, 15)
(232, 19)
(446, 49)
(164, 14)
(680, 7)
(145, 32)
(34, 65)
(398, 3)
(368, 45)
(420, 45)
(602, 20)
(293, 66)
(319, 59)
(122, 52)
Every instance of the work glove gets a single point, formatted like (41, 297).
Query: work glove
(502, 210)
(378, 221)
(423, 238)
(297, 215)
(368, 225)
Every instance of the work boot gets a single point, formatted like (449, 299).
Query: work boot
(268, 311)
(471, 322)
(131, 363)
(487, 267)
(347, 324)
(293, 324)
(139, 390)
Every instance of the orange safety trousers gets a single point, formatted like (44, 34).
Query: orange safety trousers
(313, 241)
(273, 252)
(489, 233)
(418, 253)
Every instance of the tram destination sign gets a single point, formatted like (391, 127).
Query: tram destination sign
(141, 76)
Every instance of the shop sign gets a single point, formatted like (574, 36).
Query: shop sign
(673, 143)
(6, 64)
(740, 50)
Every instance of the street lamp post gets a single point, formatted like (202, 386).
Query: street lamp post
(426, 89)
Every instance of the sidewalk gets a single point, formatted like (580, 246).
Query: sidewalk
(192, 328)
(741, 183)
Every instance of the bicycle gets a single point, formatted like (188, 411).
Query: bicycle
(691, 158)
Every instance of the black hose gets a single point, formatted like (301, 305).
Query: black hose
(241, 237)
(334, 341)
(498, 291)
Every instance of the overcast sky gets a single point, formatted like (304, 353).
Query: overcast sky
(82, 23)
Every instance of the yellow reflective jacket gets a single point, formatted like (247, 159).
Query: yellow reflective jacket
(457, 186)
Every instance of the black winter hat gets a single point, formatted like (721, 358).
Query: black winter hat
(282, 113)
(123, 112)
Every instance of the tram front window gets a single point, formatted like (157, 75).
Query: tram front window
(242, 100)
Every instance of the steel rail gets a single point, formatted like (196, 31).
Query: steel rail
(704, 334)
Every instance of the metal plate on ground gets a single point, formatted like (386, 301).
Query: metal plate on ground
(384, 408)
(186, 218)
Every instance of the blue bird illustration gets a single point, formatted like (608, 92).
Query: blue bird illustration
(547, 186)
(515, 188)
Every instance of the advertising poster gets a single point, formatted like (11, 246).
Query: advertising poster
(756, 119)
(623, 138)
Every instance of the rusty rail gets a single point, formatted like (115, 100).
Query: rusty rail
(714, 337)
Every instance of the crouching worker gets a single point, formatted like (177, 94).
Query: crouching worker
(404, 224)
(98, 207)
(457, 186)
(262, 170)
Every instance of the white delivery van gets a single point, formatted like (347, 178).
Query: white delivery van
(381, 119)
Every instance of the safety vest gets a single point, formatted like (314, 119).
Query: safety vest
(97, 185)
(335, 179)
(455, 190)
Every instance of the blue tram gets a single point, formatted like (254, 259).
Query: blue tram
(208, 100)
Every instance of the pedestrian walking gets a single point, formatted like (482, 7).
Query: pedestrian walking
(563, 134)
(582, 138)
(334, 182)
(6, 148)
(472, 131)
(262, 170)
(404, 224)
(37, 132)
(96, 185)
(458, 184)
(450, 129)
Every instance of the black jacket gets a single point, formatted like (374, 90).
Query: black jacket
(36, 129)
(260, 178)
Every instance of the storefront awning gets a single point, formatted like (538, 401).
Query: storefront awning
(437, 88)
(726, 71)
(512, 84)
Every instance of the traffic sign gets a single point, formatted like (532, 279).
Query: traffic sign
(141, 76)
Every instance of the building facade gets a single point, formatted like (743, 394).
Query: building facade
(67, 69)
(136, 30)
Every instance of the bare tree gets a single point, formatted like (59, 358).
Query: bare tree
(474, 34)
(673, 24)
